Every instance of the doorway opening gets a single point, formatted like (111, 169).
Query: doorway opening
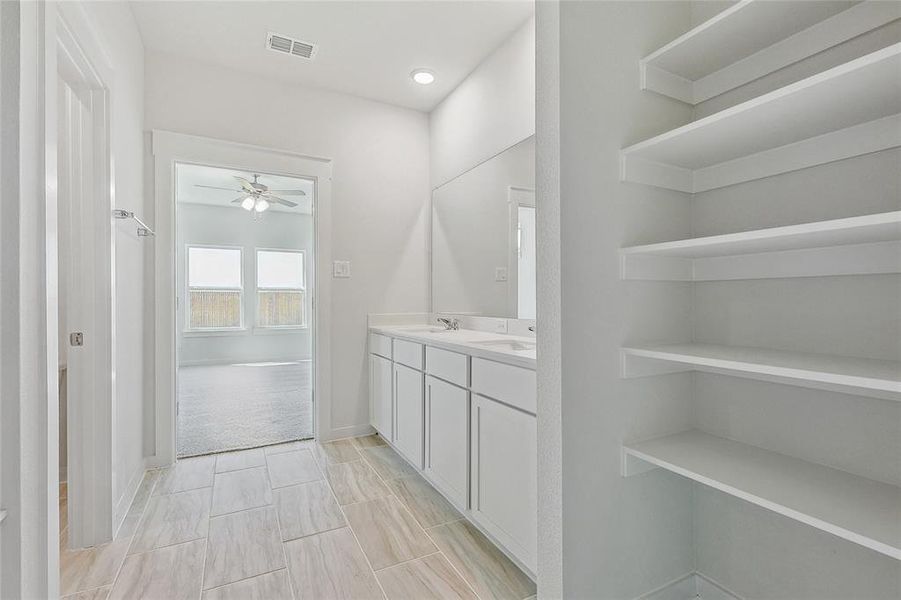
(244, 325)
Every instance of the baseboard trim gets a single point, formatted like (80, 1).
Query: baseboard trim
(128, 496)
(689, 587)
(350, 431)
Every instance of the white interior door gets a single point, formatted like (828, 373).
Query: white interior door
(85, 318)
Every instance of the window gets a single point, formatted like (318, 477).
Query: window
(281, 293)
(215, 289)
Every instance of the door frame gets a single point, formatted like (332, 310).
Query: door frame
(40, 32)
(516, 196)
(169, 148)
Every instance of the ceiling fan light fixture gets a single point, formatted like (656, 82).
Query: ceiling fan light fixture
(247, 203)
(261, 205)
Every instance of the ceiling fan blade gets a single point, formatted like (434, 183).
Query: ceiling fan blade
(290, 192)
(214, 187)
(281, 201)
(239, 200)
(245, 185)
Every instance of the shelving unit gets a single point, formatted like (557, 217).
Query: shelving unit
(754, 38)
(854, 508)
(843, 112)
(876, 378)
(852, 246)
(847, 111)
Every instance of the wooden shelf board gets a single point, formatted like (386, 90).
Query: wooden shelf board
(877, 378)
(880, 227)
(715, 151)
(854, 508)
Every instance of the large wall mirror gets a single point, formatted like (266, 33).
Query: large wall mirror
(483, 238)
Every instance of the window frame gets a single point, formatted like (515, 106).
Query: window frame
(258, 289)
(188, 288)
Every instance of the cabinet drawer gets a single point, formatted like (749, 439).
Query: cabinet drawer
(380, 344)
(408, 353)
(447, 365)
(512, 385)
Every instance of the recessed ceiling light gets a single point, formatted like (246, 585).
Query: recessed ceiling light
(423, 76)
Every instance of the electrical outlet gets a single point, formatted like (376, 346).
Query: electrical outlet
(500, 326)
(500, 273)
(341, 269)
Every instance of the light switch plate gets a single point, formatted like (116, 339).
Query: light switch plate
(500, 273)
(341, 269)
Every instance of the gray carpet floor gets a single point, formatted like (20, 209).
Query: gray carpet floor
(230, 407)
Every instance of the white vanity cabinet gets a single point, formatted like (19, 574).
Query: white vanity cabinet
(447, 438)
(381, 391)
(408, 413)
(468, 425)
(504, 462)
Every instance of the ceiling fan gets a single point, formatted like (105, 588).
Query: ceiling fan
(256, 196)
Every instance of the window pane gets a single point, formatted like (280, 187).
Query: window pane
(214, 267)
(281, 308)
(282, 270)
(215, 309)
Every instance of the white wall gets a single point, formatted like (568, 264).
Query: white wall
(380, 190)
(621, 537)
(116, 26)
(490, 111)
(213, 225)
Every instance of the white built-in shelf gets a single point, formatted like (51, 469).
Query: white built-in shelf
(846, 111)
(753, 38)
(850, 375)
(854, 508)
(867, 244)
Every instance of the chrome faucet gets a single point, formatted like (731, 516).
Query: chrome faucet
(449, 324)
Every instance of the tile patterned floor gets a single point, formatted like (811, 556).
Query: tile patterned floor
(303, 520)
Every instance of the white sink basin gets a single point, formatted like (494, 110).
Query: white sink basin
(426, 329)
(517, 345)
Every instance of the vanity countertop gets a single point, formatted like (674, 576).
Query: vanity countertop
(501, 347)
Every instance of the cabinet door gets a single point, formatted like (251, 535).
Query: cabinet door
(447, 438)
(380, 396)
(408, 413)
(505, 476)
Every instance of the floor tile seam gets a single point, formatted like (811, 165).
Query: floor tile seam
(456, 570)
(278, 524)
(357, 540)
(217, 472)
(115, 580)
(219, 587)
(409, 560)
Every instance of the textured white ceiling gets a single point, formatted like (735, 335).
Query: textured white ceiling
(366, 48)
(189, 176)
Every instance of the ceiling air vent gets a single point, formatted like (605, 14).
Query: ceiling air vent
(282, 43)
